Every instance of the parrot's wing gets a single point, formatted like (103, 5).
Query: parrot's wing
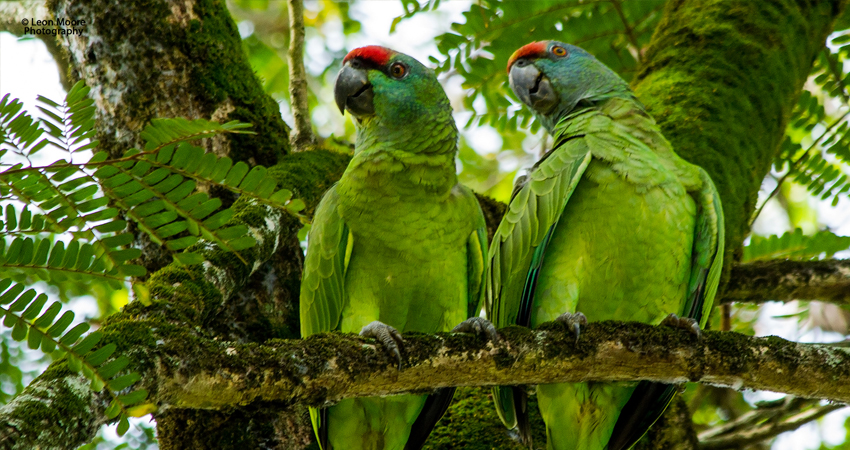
(476, 253)
(516, 252)
(438, 402)
(707, 255)
(329, 246)
(649, 399)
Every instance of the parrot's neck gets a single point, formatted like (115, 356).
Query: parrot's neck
(630, 116)
(404, 162)
(592, 99)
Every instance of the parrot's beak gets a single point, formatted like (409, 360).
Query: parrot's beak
(353, 91)
(532, 87)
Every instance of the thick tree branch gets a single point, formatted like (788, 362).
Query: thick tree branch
(302, 135)
(784, 280)
(329, 367)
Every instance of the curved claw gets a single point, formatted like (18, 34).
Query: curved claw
(478, 326)
(573, 321)
(685, 323)
(388, 336)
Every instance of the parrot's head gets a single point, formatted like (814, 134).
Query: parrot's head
(551, 78)
(387, 91)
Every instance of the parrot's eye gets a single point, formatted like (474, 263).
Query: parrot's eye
(398, 70)
(559, 51)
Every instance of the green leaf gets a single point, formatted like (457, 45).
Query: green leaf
(113, 410)
(111, 368)
(188, 258)
(296, 205)
(123, 382)
(795, 245)
(123, 425)
(61, 324)
(74, 333)
(88, 343)
(282, 196)
(48, 315)
(133, 397)
(100, 355)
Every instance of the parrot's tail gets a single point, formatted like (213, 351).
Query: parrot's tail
(645, 406)
(435, 406)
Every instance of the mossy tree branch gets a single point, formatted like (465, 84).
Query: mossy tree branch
(167, 58)
(325, 368)
(785, 280)
(329, 367)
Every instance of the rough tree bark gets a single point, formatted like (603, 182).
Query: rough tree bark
(720, 76)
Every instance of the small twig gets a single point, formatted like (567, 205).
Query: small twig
(630, 32)
(763, 411)
(748, 435)
(302, 137)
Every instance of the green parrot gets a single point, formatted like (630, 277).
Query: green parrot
(396, 245)
(610, 223)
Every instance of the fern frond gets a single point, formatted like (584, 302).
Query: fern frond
(18, 131)
(69, 232)
(41, 328)
(819, 165)
(28, 258)
(12, 223)
(70, 125)
(795, 245)
(157, 188)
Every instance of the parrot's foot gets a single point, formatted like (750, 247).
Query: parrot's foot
(478, 326)
(386, 335)
(573, 321)
(685, 323)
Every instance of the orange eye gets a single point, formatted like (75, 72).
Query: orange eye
(398, 70)
(559, 51)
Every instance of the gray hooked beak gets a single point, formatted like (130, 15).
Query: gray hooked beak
(532, 87)
(352, 90)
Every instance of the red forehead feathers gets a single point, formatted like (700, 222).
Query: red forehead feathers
(374, 53)
(533, 49)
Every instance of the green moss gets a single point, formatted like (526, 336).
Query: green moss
(221, 72)
(60, 412)
(186, 291)
(309, 174)
(471, 423)
(258, 426)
